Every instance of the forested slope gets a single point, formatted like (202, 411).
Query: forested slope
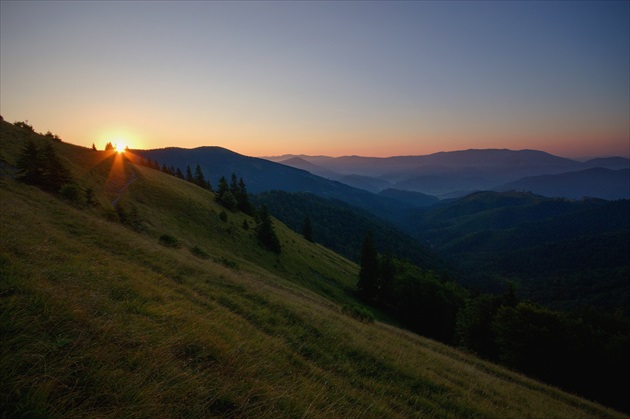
(560, 252)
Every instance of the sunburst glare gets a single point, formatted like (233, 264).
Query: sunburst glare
(120, 147)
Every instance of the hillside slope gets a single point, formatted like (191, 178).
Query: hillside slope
(341, 227)
(98, 319)
(561, 253)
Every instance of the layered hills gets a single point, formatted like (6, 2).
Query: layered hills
(560, 252)
(264, 175)
(128, 294)
(457, 173)
(597, 182)
(490, 237)
(444, 175)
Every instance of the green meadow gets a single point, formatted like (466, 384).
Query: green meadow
(156, 307)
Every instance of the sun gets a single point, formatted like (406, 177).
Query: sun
(120, 147)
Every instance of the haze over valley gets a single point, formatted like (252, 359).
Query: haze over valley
(449, 174)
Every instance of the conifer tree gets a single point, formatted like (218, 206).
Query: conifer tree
(221, 189)
(229, 198)
(199, 178)
(55, 173)
(368, 275)
(387, 276)
(42, 167)
(189, 175)
(229, 201)
(242, 198)
(307, 229)
(234, 185)
(266, 234)
(224, 195)
(179, 173)
(29, 164)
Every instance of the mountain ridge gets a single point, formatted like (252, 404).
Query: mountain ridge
(456, 173)
(264, 175)
(595, 182)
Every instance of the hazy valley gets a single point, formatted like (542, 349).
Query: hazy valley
(452, 174)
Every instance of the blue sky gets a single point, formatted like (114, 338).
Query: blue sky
(335, 78)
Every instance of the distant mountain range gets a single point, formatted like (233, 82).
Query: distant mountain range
(457, 173)
(382, 185)
(596, 182)
(262, 175)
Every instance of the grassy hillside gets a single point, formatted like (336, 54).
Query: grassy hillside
(99, 319)
(264, 175)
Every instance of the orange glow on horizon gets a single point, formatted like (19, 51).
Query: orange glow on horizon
(571, 144)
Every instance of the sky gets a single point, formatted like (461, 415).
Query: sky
(322, 78)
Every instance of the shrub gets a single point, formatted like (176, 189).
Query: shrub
(24, 125)
(129, 217)
(227, 262)
(53, 136)
(199, 252)
(168, 241)
(359, 313)
(89, 197)
(73, 193)
(111, 214)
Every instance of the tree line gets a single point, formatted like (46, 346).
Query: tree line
(42, 167)
(582, 351)
(337, 225)
(233, 196)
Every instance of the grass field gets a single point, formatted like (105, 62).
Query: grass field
(104, 319)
